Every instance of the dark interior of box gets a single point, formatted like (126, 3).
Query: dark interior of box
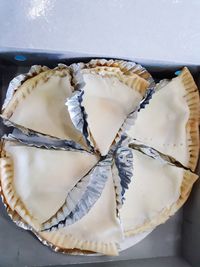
(175, 243)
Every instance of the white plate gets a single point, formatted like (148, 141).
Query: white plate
(133, 240)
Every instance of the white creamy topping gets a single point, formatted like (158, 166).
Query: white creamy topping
(154, 187)
(162, 124)
(107, 102)
(42, 178)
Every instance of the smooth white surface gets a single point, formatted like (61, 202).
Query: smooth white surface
(42, 178)
(133, 240)
(141, 29)
(162, 189)
(107, 102)
(43, 109)
(165, 120)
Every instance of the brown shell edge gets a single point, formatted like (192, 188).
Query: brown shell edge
(192, 127)
(28, 85)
